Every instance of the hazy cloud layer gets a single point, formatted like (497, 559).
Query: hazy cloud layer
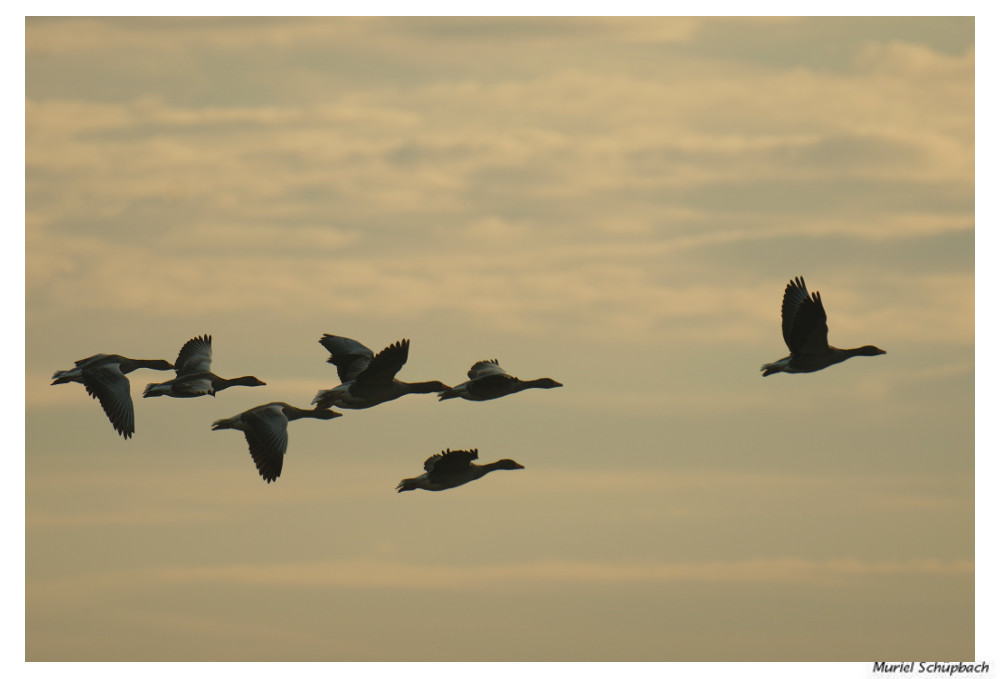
(656, 162)
(386, 575)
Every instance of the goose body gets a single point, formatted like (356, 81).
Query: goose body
(451, 468)
(103, 375)
(266, 431)
(803, 325)
(487, 380)
(194, 376)
(368, 379)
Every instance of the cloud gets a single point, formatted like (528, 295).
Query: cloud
(383, 574)
(352, 574)
(179, 36)
(897, 58)
(564, 134)
(603, 291)
(41, 520)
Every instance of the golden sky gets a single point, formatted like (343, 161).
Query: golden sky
(613, 203)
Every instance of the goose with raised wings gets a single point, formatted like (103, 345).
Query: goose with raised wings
(194, 375)
(368, 379)
(803, 325)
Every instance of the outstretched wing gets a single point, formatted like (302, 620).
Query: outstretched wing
(267, 435)
(195, 356)
(803, 319)
(350, 356)
(108, 385)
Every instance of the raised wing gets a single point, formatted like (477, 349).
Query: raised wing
(383, 368)
(195, 356)
(803, 319)
(350, 356)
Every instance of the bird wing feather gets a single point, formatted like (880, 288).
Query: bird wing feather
(485, 368)
(350, 356)
(450, 460)
(195, 356)
(803, 319)
(267, 436)
(383, 368)
(110, 387)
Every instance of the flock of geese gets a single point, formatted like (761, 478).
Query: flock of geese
(369, 379)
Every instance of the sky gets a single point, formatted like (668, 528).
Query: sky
(614, 203)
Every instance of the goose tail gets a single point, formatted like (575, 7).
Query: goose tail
(226, 423)
(776, 367)
(406, 484)
(323, 399)
(154, 390)
(66, 376)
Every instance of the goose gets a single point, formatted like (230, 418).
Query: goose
(451, 468)
(367, 379)
(103, 375)
(266, 431)
(193, 375)
(803, 324)
(487, 380)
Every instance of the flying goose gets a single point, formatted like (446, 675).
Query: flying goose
(803, 324)
(194, 377)
(451, 468)
(487, 380)
(367, 379)
(266, 431)
(103, 375)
